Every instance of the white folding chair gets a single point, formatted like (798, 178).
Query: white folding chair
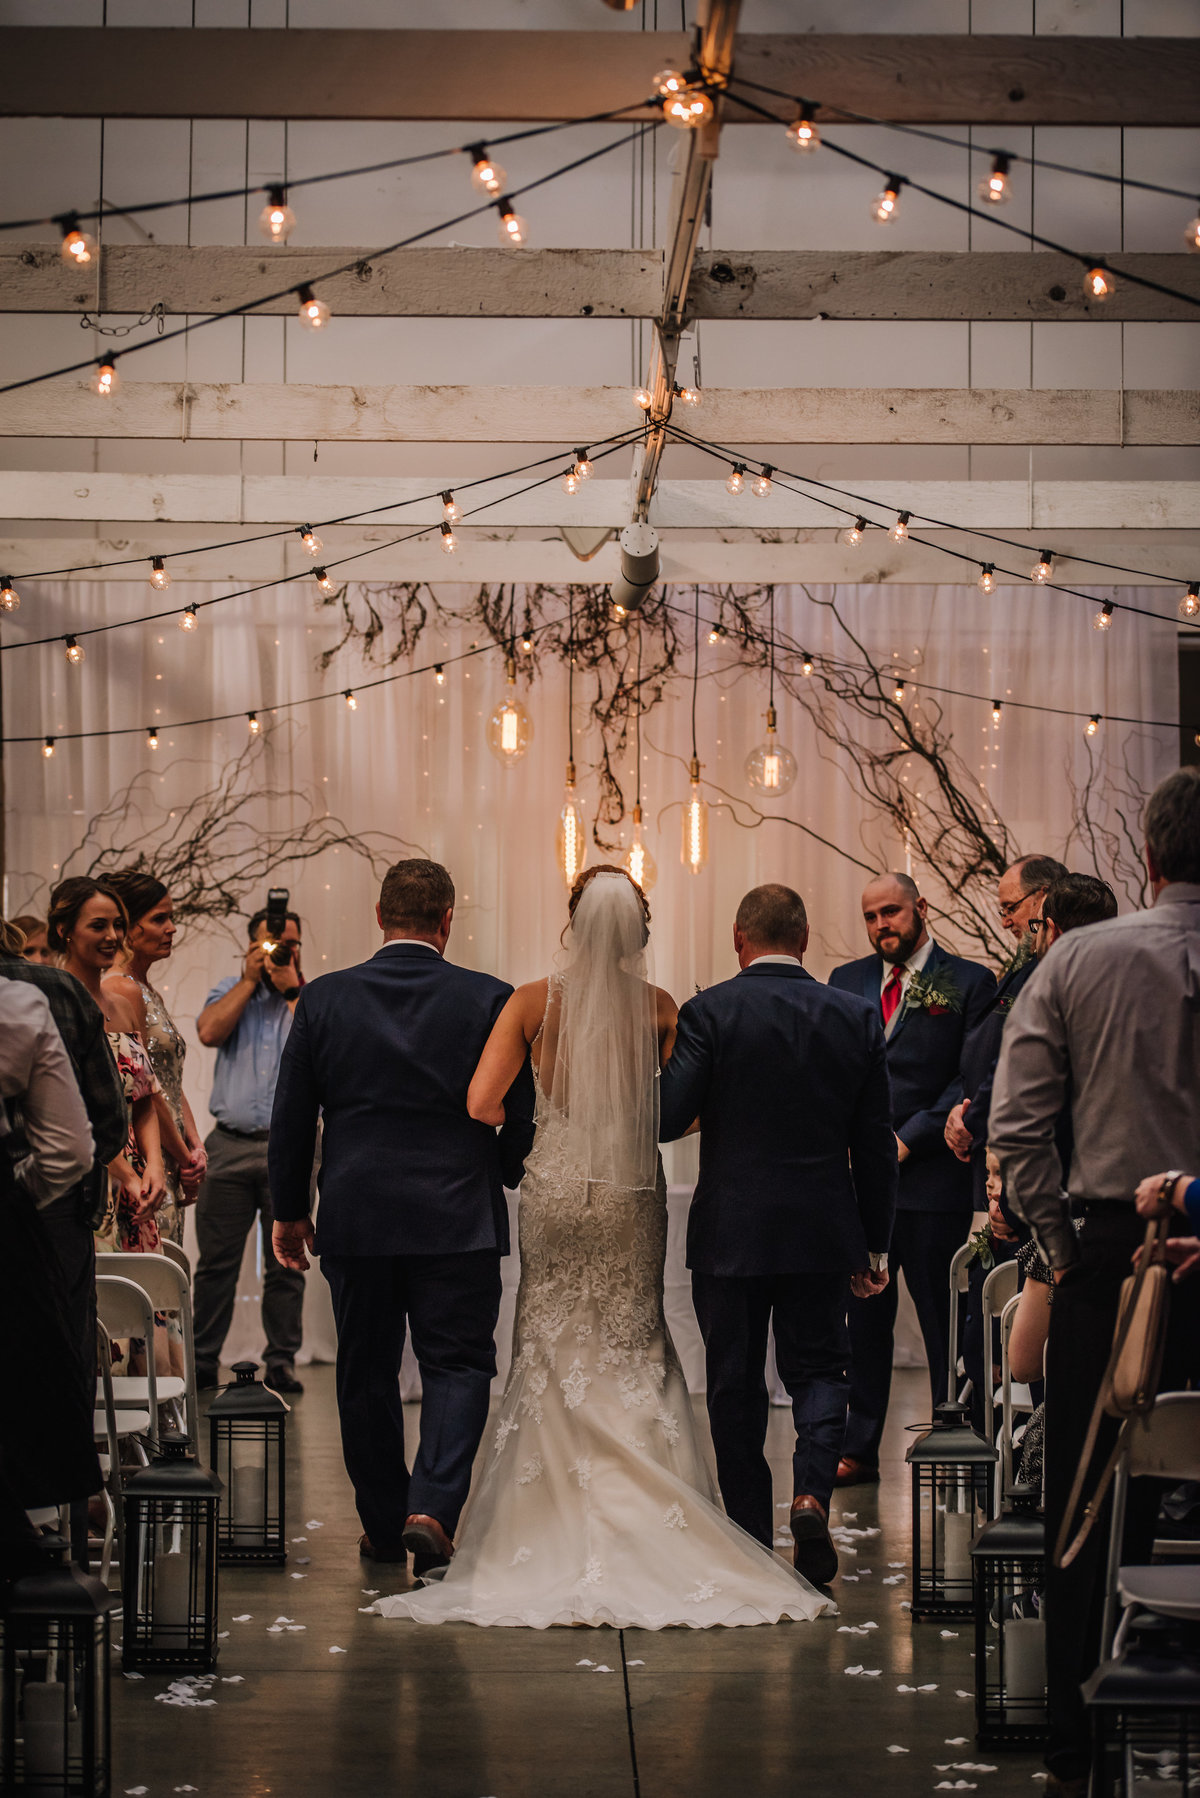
(1015, 1398)
(174, 1253)
(108, 1441)
(169, 1289)
(960, 1278)
(1163, 1444)
(999, 1287)
(124, 1308)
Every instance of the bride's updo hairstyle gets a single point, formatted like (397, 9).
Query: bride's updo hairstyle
(582, 881)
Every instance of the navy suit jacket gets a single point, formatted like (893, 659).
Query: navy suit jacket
(924, 1055)
(386, 1051)
(980, 1055)
(797, 1157)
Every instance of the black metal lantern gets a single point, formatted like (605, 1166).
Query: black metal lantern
(170, 1578)
(1009, 1561)
(1145, 1713)
(246, 1452)
(951, 1501)
(54, 1670)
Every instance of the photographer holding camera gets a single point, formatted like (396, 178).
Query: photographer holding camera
(246, 1019)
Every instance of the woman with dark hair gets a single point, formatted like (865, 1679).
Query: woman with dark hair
(148, 939)
(86, 927)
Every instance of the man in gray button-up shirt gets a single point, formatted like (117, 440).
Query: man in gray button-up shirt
(1110, 1026)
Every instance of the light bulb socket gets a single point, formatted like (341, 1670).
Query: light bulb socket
(772, 720)
(570, 774)
(276, 195)
(510, 668)
(694, 768)
(1001, 162)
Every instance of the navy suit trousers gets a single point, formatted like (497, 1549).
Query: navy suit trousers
(808, 1313)
(923, 1246)
(450, 1303)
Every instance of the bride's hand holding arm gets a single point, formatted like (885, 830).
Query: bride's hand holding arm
(505, 1051)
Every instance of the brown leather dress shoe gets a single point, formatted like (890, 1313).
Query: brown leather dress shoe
(855, 1473)
(387, 1554)
(815, 1556)
(428, 1544)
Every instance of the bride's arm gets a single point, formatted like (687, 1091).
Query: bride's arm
(667, 1020)
(505, 1051)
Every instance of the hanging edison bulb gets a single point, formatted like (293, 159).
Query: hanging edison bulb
(324, 580)
(253, 724)
(160, 575)
(487, 177)
(640, 865)
(995, 189)
(806, 664)
(451, 510)
(1104, 617)
(1098, 283)
(997, 711)
(771, 768)
(899, 530)
(514, 232)
(857, 531)
(313, 313)
(717, 634)
(570, 480)
(78, 249)
(276, 221)
(583, 465)
(105, 379)
(688, 110)
(693, 850)
(735, 482)
(1189, 605)
(668, 82)
(351, 701)
(802, 134)
(74, 651)
(884, 205)
(151, 736)
(643, 397)
(1043, 568)
(510, 728)
(48, 748)
(760, 486)
(987, 577)
(10, 599)
(449, 540)
(188, 619)
(1092, 725)
(308, 537)
(571, 843)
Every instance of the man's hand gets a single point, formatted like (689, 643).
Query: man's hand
(289, 1242)
(958, 1137)
(1183, 1252)
(901, 1149)
(252, 967)
(283, 979)
(867, 1285)
(1150, 1203)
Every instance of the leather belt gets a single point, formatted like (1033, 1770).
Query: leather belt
(244, 1135)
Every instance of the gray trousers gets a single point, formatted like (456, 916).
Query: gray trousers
(234, 1199)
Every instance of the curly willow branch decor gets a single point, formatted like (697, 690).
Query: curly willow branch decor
(901, 763)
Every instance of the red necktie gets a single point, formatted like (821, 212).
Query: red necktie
(891, 993)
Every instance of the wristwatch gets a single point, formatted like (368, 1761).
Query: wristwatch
(878, 1263)
(1166, 1190)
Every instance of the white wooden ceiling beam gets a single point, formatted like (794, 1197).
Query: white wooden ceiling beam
(229, 412)
(982, 285)
(277, 500)
(136, 72)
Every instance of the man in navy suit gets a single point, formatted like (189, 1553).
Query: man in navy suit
(793, 1206)
(927, 1001)
(412, 1221)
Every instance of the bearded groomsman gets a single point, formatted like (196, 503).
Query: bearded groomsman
(928, 1001)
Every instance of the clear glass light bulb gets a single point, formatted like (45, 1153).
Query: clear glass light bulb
(640, 865)
(313, 313)
(74, 652)
(736, 480)
(513, 230)
(987, 578)
(252, 724)
(160, 576)
(689, 396)
(694, 845)
(1043, 568)
(487, 176)
(995, 189)
(312, 543)
(770, 768)
(856, 533)
(570, 481)
(1189, 605)
(1191, 236)
(351, 701)
(688, 109)
(760, 486)
(449, 540)
(439, 676)
(324, 580)
(899, 530)
(583, 465)
(1104, 617)
(105, 379)
(803, 135)
(48, 748)
(898, 691)
(997, 711)
(883, 206)
(717, 634)
(668, 82)
(571, 840)
(510, 728)
(151, 737)
(277, 221)
(643, 397)
(806, 665)
(1092, 725)
(451, 510)
(10, 599)
(1098, 284)
(78, 249)
(188, 619)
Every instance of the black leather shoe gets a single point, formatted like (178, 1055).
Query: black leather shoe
(282, 1379)
(815, 1556)
(387, 1554)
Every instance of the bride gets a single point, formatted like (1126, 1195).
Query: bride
(592, 1501)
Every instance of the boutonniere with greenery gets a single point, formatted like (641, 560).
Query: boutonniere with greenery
(935, 993)
(981, 1248)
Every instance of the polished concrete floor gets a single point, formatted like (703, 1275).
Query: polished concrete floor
(460, 1712)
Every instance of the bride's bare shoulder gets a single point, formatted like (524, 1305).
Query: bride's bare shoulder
(529, 1001)
(666, 1010)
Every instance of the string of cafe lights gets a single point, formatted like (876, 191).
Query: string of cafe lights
(314, 314)
(1040, 575)
(578, 470)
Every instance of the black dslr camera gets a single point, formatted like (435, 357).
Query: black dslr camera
(277, 910)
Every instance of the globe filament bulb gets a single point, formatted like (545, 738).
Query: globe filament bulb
(487, 177)
(439, 675)
(74, 651)
(717, 634)
(160, 576)
(1191, 236)
(856, 533)
(1092, 725)
(351, 701)
(736, 480)
(451, 510)
(884, 205)
(1104, 617)
(570, 481)
(688, 396)
(510, 728)
(313, 313)
(668, 82)
(10, 599)
(276, 221)
(987, 577)
(252, 724)
(688, 110)
(449, 540)
(311, 542)
(643, 397)
(188, 619)
(760, 486)
(78, 249)
(151, 737)
(583, 466)
(1043, 568)
(899, 531)
(324, 582)
(48, 748)
(995, 188)
(514, 232)
(105, 379)
(1189, 605)
(1098, 283)
(770, 768)
(898, 691)
(997, 711)
(806, 664)
(802, 134)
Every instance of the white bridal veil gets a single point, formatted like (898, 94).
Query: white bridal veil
(599, 1064)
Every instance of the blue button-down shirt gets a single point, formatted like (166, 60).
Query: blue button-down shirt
(248, 1060)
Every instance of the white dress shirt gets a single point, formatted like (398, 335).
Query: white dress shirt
(35, 1070)
(411, 942)
(791, 961)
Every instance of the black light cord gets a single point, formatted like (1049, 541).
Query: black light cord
(695, 667)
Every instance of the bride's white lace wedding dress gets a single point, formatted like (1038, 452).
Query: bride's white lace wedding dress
(593, 1502)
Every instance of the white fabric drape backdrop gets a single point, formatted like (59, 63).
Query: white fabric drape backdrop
(412, 761)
